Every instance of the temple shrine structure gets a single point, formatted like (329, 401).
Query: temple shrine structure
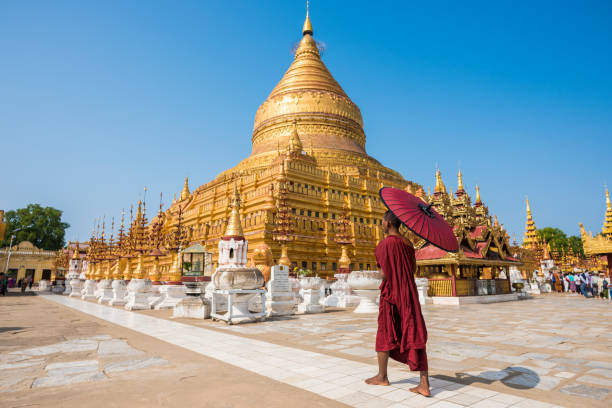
(481, 266)
(601, 244)
(309, 196)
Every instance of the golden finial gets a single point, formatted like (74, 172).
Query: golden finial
(307, 29)
(478, 194)
(528, 209)
(608, 205)
(234, 226)
(496, 224)
(451, 191)
(185, 193)
(428, 192)
(440, 188)
(75, 254)
(139, 211)
(173, 198)
(459, 181)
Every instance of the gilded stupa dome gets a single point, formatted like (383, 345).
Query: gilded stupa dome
(309, 103)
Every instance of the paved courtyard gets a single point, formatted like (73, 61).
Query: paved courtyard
(552, 350)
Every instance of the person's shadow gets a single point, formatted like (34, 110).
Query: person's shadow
(520, 378)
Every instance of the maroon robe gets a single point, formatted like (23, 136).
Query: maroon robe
(401, 327)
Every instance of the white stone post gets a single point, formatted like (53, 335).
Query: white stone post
(312, 295)
(422, 285)
(279, 298)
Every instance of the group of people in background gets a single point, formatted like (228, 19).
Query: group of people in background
(6, 283)
(588, 284)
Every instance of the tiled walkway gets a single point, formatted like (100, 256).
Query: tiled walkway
(332, 377)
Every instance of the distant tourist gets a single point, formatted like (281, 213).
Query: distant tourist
(401, 334)
(605, 288)
(572, 282)
(595, 286)
(24, 285)
(3, 284)
(557, 281)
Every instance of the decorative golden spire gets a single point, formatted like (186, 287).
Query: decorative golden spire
(76, 254)
(530, 240)
(440, 188)
(528, 208)
(185, 193)
(234, 226)
(459, 181)
(607, 227)
(496, 223)
(295, 145)
(478, 201)
(307, 29)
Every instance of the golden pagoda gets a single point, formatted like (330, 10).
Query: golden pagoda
(607, 227)
(531, 238)
(280, 182)
(600, 246)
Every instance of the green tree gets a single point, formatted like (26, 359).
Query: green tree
(559, 241)
(555, 237)
(575, 242)
(42, 226)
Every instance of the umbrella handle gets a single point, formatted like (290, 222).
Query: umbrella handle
(427, 210)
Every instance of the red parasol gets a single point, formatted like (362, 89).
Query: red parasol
(420, 218)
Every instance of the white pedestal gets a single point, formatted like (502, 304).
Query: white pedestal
(158, 293)
(119, 291)
(279, 297)
(311, 302)
(76, 287)
(67, 287)
(220, 300)
(44, 285)
(105, 291)
(192, 307)
(138, 295)
(173, 295)
(238, 305)
(422, 285)
(341, 295)
(295, 288)
(89, 291)
(367, 300)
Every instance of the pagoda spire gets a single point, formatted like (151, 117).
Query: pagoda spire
(185, 193)
(76, 254)
(234, 226)
(607, 227)
(459, 181)
(440, 188)
(307, 29)
(478, 201)
(530, 240)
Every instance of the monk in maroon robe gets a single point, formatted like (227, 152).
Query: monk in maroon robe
(402, 334)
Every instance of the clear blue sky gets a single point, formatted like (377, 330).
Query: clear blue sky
(99, 99)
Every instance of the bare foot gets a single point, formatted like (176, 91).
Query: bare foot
(421, 389)
(377, 380)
